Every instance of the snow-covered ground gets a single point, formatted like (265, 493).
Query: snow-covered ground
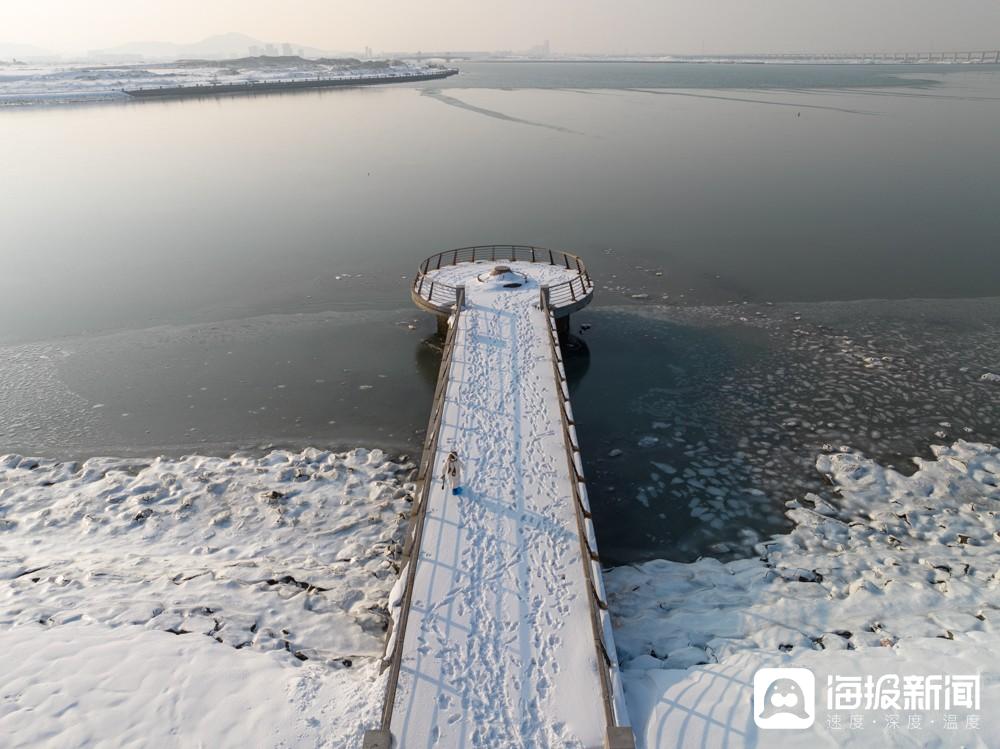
(70, 83)
(897, 576)
(252, 560)
(196, 602)
(164, 603)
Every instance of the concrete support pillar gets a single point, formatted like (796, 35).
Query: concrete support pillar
(544, 297)
(459, 297)
(377, 739)
(619, 737)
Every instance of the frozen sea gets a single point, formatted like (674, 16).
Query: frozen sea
(787, 390)
(787, 256)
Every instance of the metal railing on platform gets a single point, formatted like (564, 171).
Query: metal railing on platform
(619, 736)
(565, 294)
(392, 658)
(452, 298)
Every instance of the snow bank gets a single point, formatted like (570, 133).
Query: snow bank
(173, 602)
(72, 83)
(899, 575)
(90, 685)
(209, 600)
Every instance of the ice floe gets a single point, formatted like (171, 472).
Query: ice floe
(742, 409)
(897, 574)
(207, 601)
(241, 601)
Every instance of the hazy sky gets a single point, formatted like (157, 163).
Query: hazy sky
(681, 26)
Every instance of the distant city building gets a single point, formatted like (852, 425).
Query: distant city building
(286, 50)
(368, 52)
(271, 50)
(255, 51)
(542, 50)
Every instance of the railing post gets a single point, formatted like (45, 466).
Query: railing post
(439, 260)
(532, 254)
(551, 261)
(459, 297)
(454, 260)
(603, 606)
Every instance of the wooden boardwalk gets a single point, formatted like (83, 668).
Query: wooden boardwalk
(502, 638)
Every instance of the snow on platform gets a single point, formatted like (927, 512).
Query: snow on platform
(498, 649)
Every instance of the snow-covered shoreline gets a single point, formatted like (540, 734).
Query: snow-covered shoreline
(175, 600)
(75, 83)
(898, 574)
(196, 599)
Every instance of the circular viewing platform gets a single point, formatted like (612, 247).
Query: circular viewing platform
(440, 277)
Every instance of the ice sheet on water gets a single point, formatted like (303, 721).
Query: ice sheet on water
(34, 400)
(897, 574)
(290, 552)
(208, 601)
(206, 387)
(747, 395)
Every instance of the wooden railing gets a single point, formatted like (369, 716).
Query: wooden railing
(599, 618)
(392, 659)
(565, 294)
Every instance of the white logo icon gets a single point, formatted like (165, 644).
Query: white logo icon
(784, 698)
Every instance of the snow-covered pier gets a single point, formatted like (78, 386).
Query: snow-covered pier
(501, 633)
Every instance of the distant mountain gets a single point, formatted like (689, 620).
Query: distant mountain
(220, 46)
(22, 51)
